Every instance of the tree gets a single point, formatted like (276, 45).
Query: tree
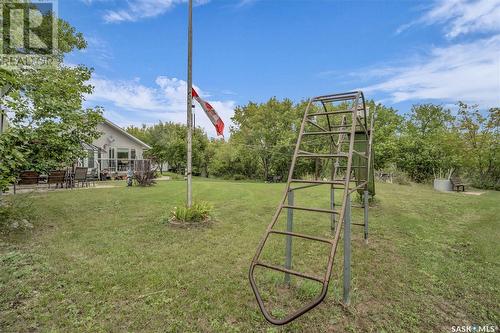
(48, 113)
(426, 144)
(157, 137)
(12, 156)
(267, 130)
(47, 119)
(387, 134)
(480, 144)
(231, 160)
(168, 145)
(141, 133)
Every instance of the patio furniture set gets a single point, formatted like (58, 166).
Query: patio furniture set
(70, 178)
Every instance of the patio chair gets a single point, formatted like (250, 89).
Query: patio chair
(458, 184)
(92, 177)
(57, 177)
(27, 178)
(80, 177)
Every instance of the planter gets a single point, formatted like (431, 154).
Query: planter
(443, 185)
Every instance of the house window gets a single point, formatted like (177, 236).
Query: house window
(111, 153)
(122, 153)
(132, 154)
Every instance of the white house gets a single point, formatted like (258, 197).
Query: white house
(115, 151)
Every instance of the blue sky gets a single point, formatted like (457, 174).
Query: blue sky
(398, 52)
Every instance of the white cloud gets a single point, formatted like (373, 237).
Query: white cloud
(461, 17)
(98, 50)
(243, 3)
(468, 72)
(142, 9)
(130, 95)
(166, 102)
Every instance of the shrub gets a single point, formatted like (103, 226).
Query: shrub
(239, 177)
(144, 174)
(145, 178)
(401, 178)
(198, 213)
(486, 184)
(174, 176)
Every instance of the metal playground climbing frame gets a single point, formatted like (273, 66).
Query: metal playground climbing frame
(343, 124)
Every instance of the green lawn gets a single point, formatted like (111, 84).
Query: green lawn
(99, 260)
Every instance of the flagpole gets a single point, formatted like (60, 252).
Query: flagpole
(189, 106)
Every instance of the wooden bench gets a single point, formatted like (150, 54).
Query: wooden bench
(457, 184)
(30, 178)
(274, 179)
(57, 177)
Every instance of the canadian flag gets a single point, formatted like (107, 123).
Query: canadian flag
(210, 111)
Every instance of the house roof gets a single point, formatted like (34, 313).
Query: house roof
(89, 146)
(118, 128)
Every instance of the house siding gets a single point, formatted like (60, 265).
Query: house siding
(120, 141)
(115, 138)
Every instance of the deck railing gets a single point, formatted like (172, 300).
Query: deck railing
(120, 164)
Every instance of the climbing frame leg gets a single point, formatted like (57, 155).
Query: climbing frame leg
(347, 251)
(332, 206)
(289, 228)
(365, 198)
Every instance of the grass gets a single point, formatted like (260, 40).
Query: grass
(100, 260)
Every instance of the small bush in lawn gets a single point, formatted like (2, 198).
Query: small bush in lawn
(145, 178)
(198, 213)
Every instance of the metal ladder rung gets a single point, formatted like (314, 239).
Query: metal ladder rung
(358, 224)
(347, 127)
(305, 152)
(289, 271)
(319, 210)
(337, 97)
(308, 154)
(330, 182)
(360, 154)
(294, 234)
(330, 127)
(327, 133)
(328, 113)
